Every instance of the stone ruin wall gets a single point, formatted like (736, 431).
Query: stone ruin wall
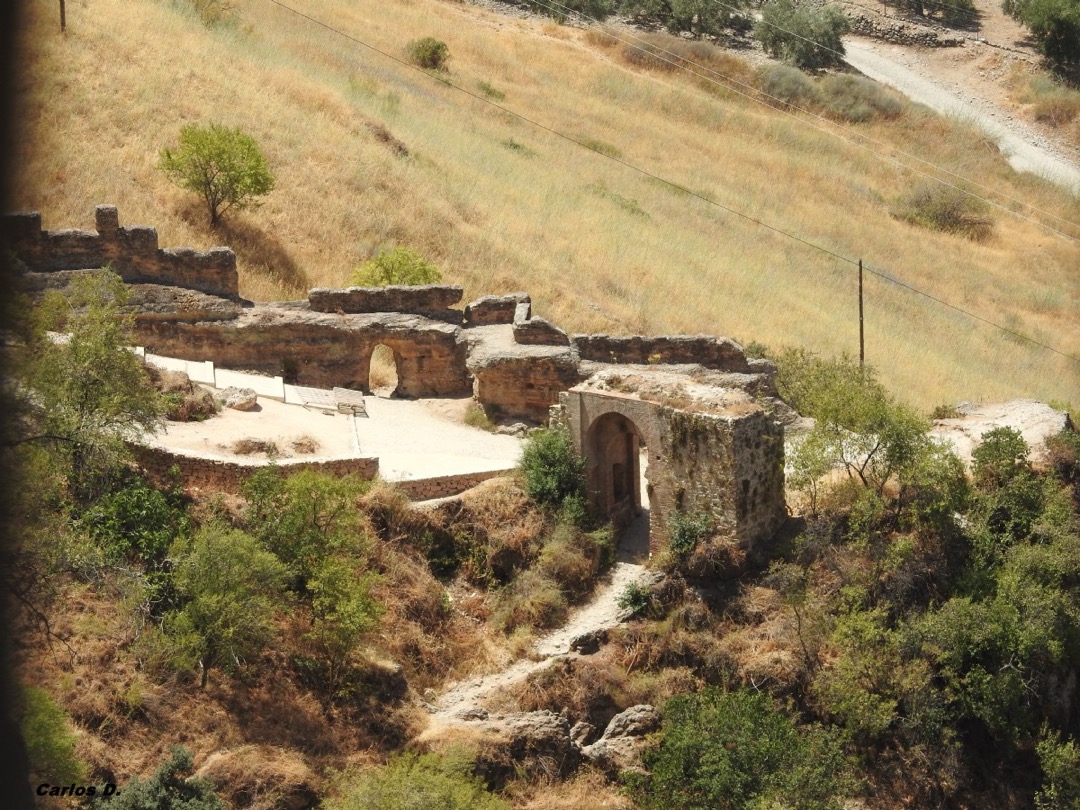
(219, 475)
(132, 252)
(728, 466)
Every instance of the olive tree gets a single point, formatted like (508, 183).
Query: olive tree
(223, 166)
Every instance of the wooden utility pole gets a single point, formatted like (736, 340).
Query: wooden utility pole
(63, 17)
(862, 345)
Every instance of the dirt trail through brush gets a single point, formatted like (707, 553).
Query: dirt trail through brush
(1024, 148)
(601, 613)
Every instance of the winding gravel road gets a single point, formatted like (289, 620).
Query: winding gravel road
(1023, 148)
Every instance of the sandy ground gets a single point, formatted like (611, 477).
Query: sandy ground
(411, 438)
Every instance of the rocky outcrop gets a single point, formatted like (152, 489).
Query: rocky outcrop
(624, 741)
(533, 742)
(1036, 422)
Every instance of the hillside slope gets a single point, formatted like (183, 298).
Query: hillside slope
(371, 153)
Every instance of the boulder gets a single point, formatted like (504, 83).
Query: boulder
(623, 743)
(1035, 420)
(589, 643)
(239, 399)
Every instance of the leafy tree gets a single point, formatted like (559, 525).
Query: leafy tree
(733, 750)
(807, 36)
(344, 611)
(950, 12)
(85, 396)
(412, 781)
(1055, 25)
(398, 266)
(698, 17)
(223, 166)
(170, 788)
(1060, 761)
(552, 468)
(228, 587)
(999, 458)
(50, 744)
(304, 518)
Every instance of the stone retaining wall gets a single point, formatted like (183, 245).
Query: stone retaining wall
(229, 476)
(900, 32)
(426, 489)
(132, 252)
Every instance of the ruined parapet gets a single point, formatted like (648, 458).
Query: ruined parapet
(431, 300)
(539, 332)
(720, 354)
(131, 252)
(494, 309)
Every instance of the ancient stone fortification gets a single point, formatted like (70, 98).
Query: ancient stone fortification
(694, 403)
(132, 252)
(710, 450)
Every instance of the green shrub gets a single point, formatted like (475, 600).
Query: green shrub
(397, 266)
(136, 522)
(853, 98)
(947, 209)
(50, 744)
(636, 598)
(687, 530)
(734, 750)
(1055, 25)
(429, 53)
(225, 167)
(412, 781)
(1060, 761)
(170, 788)
(787, 84)
(552, 469)
(532, 600)
(806, 36)
(999, 458)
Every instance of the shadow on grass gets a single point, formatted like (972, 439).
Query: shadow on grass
(255, 247)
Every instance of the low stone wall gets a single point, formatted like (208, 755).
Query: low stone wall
(720, 354)
(426, 299)
(900, 32)
(426, 489)
(132, 253)
(215, 475)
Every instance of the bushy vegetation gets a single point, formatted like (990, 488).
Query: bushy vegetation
(736, 751)
(947, 209)
(552, 469)
(1055, 25)
(50, 743)
(429, 53)
(960, 13)
(397, 266)
(224, 166)
(172, 787)
(413, 781)
(806, 36)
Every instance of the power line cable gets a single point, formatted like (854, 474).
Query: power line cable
(786, 108)
(675, 186)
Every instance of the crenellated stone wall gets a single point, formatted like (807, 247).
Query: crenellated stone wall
(132, 252)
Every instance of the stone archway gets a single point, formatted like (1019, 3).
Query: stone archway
(384, 371)
(613, 445)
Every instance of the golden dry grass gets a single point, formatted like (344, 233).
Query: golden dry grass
(501, 205)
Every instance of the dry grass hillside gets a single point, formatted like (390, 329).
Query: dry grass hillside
(370, 153)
